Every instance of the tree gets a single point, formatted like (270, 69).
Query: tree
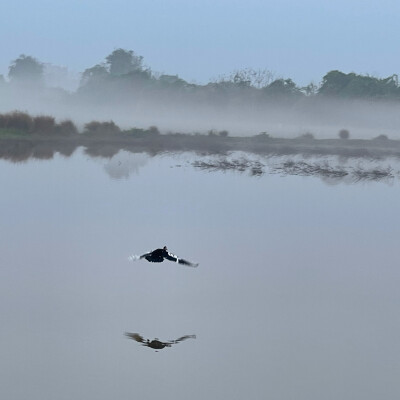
(26, 70)
(94, 75)
(344, 134)
(339, 84)
(283, 88)
(122, 62)
(334, 82)
(257, 78)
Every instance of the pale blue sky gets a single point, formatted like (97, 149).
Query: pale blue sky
(200, 40)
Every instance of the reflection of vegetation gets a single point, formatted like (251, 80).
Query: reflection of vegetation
(241, 165)
(19, 131)
(23, 136)
(300, 168)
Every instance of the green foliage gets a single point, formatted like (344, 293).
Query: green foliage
(94, 75)
(339, 84)
(43, 124)
(101, 128)
(283, 88)
(27, 70)
(66, 127)
(122, 62)
(16, 120)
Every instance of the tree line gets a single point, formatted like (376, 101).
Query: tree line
(123, 76)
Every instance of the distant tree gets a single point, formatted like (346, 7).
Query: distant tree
(43, 124)
(122, 62)
(310, 90)
(153, 130)
(101, 128)
(94, 75)
(334, 82)
(306, 136)
(17, 120)
(344, 134)
(172, 81)
(339, 84)
(382, 138)
(26, 70)
(283, 88)
(66, 127)
(247, 77)
(223, 133)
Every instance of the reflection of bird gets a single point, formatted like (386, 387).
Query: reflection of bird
(159, 255)
(155, 343)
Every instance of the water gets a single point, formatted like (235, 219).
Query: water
(296, 295)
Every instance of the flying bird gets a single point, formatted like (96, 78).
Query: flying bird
(156, 344)
(159, 255)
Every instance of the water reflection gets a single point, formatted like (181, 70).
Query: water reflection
(123, 164)
(157, 344)
(123, 159)
(349, 171)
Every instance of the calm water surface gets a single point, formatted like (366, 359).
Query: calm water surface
(296, 296)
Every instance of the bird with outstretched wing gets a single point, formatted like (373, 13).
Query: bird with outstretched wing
(157, 344)
(159, 255)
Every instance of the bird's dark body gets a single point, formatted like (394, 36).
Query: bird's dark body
(155, 343)
(156, 256)
(159, 255)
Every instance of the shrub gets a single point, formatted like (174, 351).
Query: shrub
(344, 134)
(262, 135)
(102, 128)
(43, 124)
(17, 120)
(381, 138)
(307, 136)
(153, 130)
(66, 127)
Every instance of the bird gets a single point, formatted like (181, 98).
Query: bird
(159, 255)
(156, 344)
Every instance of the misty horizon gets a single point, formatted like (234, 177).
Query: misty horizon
(123, 89)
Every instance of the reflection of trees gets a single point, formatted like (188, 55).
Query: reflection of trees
(321, 169)
(124, 163)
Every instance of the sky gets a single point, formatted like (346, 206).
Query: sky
(202, 40)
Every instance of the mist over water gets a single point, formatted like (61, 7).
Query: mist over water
(245, 102)
(323, 117)
(296, 293)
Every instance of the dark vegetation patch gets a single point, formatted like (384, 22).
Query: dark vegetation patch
(105, 138)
